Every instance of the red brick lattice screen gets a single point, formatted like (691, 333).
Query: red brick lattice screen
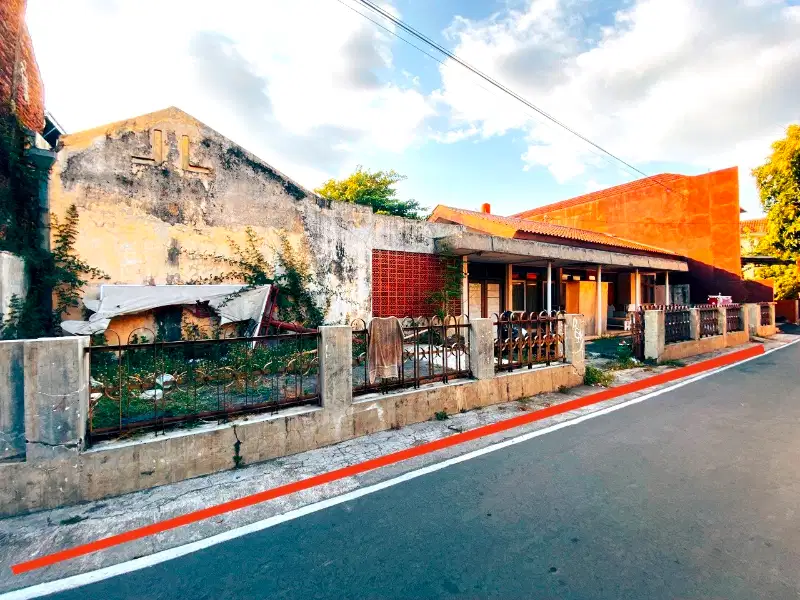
(402, 283)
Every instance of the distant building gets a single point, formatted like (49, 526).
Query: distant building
(751, 232)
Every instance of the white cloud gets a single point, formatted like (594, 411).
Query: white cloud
(702, 82)
(304, 84)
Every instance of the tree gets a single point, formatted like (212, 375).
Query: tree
(778, 181)
(372, 188)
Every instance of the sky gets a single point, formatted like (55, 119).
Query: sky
(316, 89)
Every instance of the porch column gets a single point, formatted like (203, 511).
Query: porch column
(637, 291)
(549, 286)
(509, 279)
(599, 318)
(666, 289)
(464, 285)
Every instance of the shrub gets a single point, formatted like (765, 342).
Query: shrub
(597, 377)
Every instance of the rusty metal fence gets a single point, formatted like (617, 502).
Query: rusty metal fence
(636, 319)
(434, 350)
(733, 317)
(677, 324)
(525, 339)
(709, 320)
(766, 313)
(150, 386)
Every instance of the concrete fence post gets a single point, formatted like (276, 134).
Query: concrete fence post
(744, 314)
(753, 318)
(772, 320)
(481, 348)
(654, 334)
(56, 395)
(722, 320)
(336, 366)
(694, 323)
(575, 343)
(12, 399)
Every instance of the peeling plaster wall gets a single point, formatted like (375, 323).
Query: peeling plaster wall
(151, 189)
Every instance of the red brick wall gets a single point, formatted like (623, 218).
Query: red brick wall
(402, 283)
(698, 219)
(16, 45)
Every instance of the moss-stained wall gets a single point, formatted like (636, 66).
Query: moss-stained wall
(153, 187)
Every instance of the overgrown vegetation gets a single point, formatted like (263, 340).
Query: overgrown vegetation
(374, 189)
(299, 287)
(597, 377)
(442, 300)
(60, 271)
(778, 181)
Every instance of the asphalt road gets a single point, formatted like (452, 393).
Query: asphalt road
(691, 494)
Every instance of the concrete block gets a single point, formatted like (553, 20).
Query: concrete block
(654, 334)
(575, 343)
(722, 320)
(56, 392)
(336, 366)
(694, 323)
(753, 317)
(481, 348)
(12, 399)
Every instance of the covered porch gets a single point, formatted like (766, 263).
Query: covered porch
(506, 274)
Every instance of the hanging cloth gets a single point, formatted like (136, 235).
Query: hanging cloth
(385, 352)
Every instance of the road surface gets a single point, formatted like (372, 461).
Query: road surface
(691, 494)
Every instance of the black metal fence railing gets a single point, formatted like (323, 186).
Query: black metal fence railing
(677, 324)
(766, 314)
(709, 320)
(154, 385)
(636, 318)
(524, 339)
(733, 318)
(434, 350)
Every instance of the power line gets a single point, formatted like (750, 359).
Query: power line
(422, 37)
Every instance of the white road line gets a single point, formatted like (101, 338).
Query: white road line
(75, 581)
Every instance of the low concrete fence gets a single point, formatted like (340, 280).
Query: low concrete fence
(45, 400)
(788, 311)
(709, 328)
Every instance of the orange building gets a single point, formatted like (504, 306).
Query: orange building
(696, 217)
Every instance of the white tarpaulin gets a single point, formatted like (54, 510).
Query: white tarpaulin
(230, 302)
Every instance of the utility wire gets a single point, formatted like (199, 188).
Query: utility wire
(422, 37)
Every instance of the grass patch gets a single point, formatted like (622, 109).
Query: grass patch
(597, 377)
(672, 363)
(441, 415)
(562, 389)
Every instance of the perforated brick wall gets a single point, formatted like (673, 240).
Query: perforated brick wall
(402, 283)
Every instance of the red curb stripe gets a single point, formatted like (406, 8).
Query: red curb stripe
(382, 461)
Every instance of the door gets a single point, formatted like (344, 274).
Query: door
(475, 299)
(484, 298)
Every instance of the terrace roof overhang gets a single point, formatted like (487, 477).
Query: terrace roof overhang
(493, 249)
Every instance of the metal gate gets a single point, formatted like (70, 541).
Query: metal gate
(637, 333)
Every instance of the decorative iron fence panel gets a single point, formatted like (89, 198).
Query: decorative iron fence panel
(766, 316)
(733, 318)
(677, 324)
(524, 339)
(709, 320)
(138, 387)
(636, 318)
(434, 350)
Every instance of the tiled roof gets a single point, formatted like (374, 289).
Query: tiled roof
(753, 226)
(664, 179)
(508, 226)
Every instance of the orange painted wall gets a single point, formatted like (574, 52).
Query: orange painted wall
(698, 219)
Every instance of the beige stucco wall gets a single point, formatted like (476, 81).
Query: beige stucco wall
(143, 206)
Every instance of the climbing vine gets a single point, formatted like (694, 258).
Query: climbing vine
(60, 272)
(299, 287)
(449, 293)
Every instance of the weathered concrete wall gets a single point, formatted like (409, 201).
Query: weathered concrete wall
(692, 348)
(13, 281)
(129, 466)
(12, 400)
(153, 190)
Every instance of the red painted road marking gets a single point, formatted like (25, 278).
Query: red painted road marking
(382, 461)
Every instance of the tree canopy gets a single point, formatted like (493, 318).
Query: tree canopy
(778, 181)
(372, 188)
